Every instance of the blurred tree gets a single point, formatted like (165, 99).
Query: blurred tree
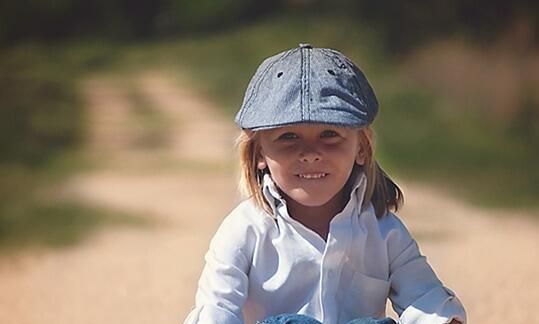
(59, 19)
(525, 123)
(409, 23)
(40, 115)
(404, 23)
(204, 15)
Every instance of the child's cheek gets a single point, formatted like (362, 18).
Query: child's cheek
(286, 150)
(340, 150)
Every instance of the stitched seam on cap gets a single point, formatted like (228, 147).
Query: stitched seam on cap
(308, 84)
(256, 87)
(302, 92)
(338, 59)
(332, 53)
(330, 57)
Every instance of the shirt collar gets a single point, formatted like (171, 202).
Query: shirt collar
(275, 199)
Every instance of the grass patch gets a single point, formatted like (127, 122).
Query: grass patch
(54, 224)
(41, 113)
(42, 125)
(27, 219)
(421, 138)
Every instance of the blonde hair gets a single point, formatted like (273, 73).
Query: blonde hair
(383, 192)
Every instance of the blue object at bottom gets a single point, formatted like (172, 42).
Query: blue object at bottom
(302, 319)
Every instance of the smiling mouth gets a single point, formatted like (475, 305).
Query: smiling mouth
(309, 176)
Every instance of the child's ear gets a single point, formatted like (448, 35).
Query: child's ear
(261, 164)
(361, 156)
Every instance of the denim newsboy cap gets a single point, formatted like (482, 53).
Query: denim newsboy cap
(307, 85)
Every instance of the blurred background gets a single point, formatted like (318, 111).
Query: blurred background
(112, 111)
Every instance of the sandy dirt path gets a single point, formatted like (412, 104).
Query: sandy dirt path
(186, 185)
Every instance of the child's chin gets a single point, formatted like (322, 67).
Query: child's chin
(312, 201)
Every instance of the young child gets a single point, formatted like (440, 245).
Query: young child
(316, 241)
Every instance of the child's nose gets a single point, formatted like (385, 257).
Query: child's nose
(309, 154)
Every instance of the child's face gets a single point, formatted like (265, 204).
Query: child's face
(310, 163)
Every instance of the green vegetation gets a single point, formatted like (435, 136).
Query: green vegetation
(41, 114)
(54, 223)
(42, 125)
(32, 215)
(478, 160)
(404, 24)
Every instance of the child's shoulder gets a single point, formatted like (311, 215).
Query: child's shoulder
(240, 231)
(394, 232)
(248, 216)
(235, 239)
(390, 226)
(391, 221)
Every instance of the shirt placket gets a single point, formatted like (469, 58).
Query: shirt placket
(337, 246)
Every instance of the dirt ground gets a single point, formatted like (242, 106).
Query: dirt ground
(186, 184)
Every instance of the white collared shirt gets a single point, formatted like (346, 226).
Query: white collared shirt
(260, 265)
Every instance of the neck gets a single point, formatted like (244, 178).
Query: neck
(317, 218)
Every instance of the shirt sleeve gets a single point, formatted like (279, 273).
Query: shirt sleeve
(416, 293)
(223, 285)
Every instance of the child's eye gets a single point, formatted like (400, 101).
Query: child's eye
(288, 136)
(328, 133)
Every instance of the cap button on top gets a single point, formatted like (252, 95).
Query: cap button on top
(305, 45)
